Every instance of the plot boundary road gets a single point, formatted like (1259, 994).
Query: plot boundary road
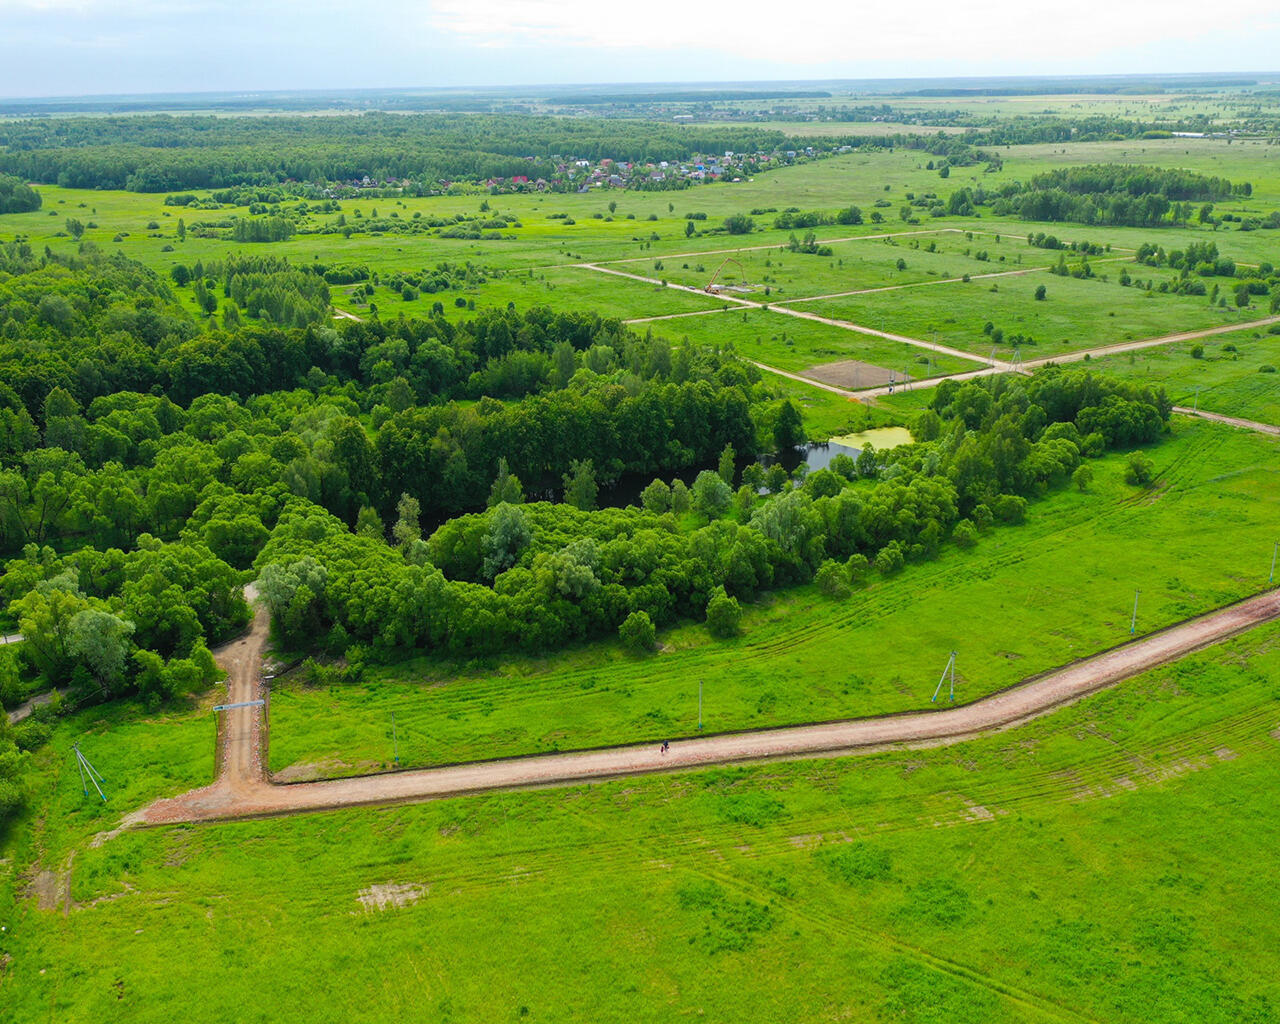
(243, 790)
(1026, 367)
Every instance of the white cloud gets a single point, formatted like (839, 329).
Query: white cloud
(858, 33)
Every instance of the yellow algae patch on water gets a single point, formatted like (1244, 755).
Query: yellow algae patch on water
(881, 438)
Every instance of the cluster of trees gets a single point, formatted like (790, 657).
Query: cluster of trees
(1114, 194)
(540, 576)
(792, 218)
(261, 229)
(110, 622)
(16, 196)
(809, 245)
(96, 325)
(1202, 260)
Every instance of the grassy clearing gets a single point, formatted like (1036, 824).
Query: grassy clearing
(863, 264)
(1026, 599)
(793, 344)
(1221, 381)
(1076, 314)
(1073, 869)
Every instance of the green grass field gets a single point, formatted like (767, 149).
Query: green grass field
(793, 344)
(1221, 381)
(1076, 314)
(1103, 863)
(1028, 598)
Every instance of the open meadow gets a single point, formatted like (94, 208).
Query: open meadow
(1077, 868)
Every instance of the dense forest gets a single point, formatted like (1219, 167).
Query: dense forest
(164, 153)
(1116, 194)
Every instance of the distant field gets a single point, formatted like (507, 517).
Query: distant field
(1055, 589)
(548, 245)
(1079, 867)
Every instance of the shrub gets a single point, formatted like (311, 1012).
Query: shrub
(31, 735)
(1082, 477)
(637, 631)
(890, 559)
(1197, 351)
(1011, 508)
(1041, 292)
(857, 567)
(832, 579)
(965, 533)
(1139, 469)
(856, 862)
(724, 614)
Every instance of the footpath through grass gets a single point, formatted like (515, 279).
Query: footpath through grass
(1027, 599)
(1079, 868)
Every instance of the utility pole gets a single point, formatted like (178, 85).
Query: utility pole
(89, 771)
(1133, 624)
(951, 671)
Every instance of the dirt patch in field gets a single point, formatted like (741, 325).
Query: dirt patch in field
(52, 889)
(388, 895)
(852, 374)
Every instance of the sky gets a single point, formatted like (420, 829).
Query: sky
(94, 47)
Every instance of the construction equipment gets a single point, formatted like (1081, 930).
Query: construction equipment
(715, 289)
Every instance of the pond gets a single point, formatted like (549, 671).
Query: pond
(626, 491)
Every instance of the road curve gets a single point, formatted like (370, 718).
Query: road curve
(243, 791)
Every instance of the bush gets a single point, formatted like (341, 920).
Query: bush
(1041, 292)
(965, 533)
(832, 579)
(890, 559)
(1266, 368)
(1082, 477)
(1011, 508)
(1197, 351)
(856, 568)
(31, 735)
(1139, 470)
(637, 632)
(724, 614)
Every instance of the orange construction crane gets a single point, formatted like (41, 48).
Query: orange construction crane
(713, 288)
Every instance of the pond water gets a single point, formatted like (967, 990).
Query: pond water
(626, 491)
(881, 438)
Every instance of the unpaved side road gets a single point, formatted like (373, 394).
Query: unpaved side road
(1234, 421)
(243, 792)
(1027, 367)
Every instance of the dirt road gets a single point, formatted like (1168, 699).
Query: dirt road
(1234, 421)
(1027, 367)
(243, 791)
(802, 315)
